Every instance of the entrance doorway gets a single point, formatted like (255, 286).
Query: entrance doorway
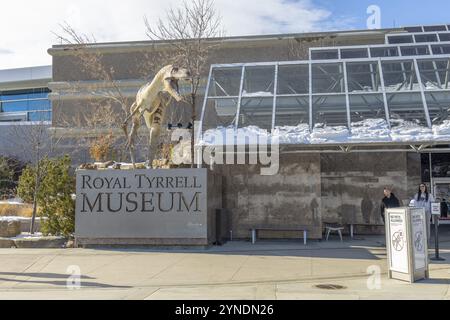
(441, 191)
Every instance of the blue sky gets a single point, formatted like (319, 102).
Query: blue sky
(26, 31)
(400, 12)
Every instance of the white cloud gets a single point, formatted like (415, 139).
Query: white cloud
(26, 26)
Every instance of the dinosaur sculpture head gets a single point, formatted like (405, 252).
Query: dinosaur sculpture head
(173, 74)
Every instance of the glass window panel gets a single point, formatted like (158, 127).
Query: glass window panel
(225, 82)
(415, 51)
(15, 106)
(400, 39)
(220, 112)
(293, 79)
(434, 73)
(438, 106)
(366, 106)
(363, 76)
(39, 116)
(292, 111)
(256, 112)
(324, 54)
(259, 81)
(10, 97)
(444, 36)
(328, 78)
(384, 52)
(441, 49)
(330, 110)
(400, 76)
(414, 29)
(426, 37)
(406, 107)
(39, 105)
(434, 28)
(354, 53)
(38, 95)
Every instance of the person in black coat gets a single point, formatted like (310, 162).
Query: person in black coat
(389, 201)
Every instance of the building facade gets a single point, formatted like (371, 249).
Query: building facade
(24, 103)
(354, 112)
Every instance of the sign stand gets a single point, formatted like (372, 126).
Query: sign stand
(406, 243)
(436, 212)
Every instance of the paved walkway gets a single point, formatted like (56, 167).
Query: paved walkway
(237, 270)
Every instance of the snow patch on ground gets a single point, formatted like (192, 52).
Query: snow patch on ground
(15, 201)
(27, 235)
(15, 218)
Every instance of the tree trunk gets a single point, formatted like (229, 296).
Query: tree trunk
(193, 119)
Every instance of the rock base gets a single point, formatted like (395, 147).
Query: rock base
(9, 228)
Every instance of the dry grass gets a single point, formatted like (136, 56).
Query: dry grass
(23, 210)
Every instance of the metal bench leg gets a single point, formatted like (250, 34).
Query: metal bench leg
(305, 235)
(253, 236)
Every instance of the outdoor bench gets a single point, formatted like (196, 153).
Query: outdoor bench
(302, 229)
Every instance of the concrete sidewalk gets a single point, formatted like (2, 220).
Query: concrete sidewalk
(237, 270)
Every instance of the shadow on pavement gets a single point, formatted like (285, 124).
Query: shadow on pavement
(64, 283)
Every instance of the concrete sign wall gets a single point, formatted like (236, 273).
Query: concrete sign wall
(142, 204)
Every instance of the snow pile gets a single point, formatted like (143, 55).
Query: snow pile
(293, 135)
(442, 129)
(256, 94)
(230, 136)
(370, 130)
(324, 134)
(408, 131)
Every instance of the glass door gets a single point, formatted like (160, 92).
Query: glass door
(441, 192)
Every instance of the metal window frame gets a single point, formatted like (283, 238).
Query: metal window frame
(344, 62)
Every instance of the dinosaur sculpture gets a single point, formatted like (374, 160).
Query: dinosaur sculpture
(151, 104)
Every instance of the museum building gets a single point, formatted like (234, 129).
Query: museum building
(353, 112)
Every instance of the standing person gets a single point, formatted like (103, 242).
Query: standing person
(389, 201)
(423, 199)
(444, 208)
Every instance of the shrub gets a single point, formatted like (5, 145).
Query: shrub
(102, 148)
(54, 194)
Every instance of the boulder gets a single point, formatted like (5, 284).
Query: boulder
(9, 228)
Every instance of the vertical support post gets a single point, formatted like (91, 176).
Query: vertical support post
(202, 117)
(275, 92)
(383, 89)
(422, 92)
(436, 240)
(241, 87)
(311, 97)
(372, 76)
(436, 72)
(347, 98)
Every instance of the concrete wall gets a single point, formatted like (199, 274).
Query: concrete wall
(289, 198)
(352, 185)
(314, 189)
